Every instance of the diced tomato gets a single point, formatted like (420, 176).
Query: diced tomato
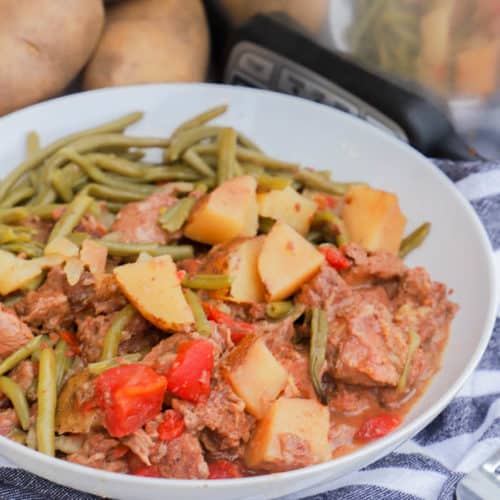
(325, 201)
(71, 340)
(181, 274)
(223, 469)
(130, 395)
(172, 425)
(144, 470)
(189, 375)
(238, 328)
(376, 427)
(335, 258)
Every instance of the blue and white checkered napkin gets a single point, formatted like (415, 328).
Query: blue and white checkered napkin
(430, 465)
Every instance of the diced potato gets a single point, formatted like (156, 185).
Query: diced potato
(286, 261)
(287, 206)
(238, 259)
(306, 418)
(94, 256)
(62, 247)
(153, 287)
(227, 212)
(16, 273)
(255, 374)
(373, 219)
(476, 69)
(73, 269)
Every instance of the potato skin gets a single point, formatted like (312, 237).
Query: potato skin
(150, 41)
(44, 44)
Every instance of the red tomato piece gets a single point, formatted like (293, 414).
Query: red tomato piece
(376, 427)
(223, 469)
(189, 375)
(325, 201)
(238, 328)
(172, 425)
(335, 258)
(130, 395)
(71, 340)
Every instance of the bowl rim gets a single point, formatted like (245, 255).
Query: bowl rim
(402, 434)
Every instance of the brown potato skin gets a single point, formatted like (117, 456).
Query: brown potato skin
(308, 13)
(43, 46)
(151, 41)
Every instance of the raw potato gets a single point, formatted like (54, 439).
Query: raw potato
(154, 289)
(255, 375)
(310, 14)
(227, 212)
(373, 219)
(238, 258)
(44, 44)
(151, 41)
(287, 206)
(305, 418)
(287, 260)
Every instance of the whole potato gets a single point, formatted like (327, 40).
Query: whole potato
(309, 13)
(147, 41)
(43, 46)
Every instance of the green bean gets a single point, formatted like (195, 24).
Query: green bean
(201, 119)
(174, 217)
(46, 211)
(47, 400)
(196, 162)
(254, 170)
(32, 143)
(333, 219)
(116, 164)
(108, 193)
(207, 281)
(315, 236)
(12, 299)
(18, 436)
(62, 185)
(315, 180)
(226, 155)
(97, 175)
(238, 169)
(113, 335)
(268, 182)
(32, 249)
(317, 349)
(119, 249)
(78, 237)
(200, 319)
(278, 310)
(61, 361)
(101, 366)
(16, 396)
(414, 344)
(31, 438)
(71, 216)
(15, 214)
(245, 154)
(134, 155)
(114, 207)
(414, 239)
(37, 158)
(187, 138)
(35, 283)
(10, 234)
(248, 143)
(16, 196)
(265, 224)
(171, 173)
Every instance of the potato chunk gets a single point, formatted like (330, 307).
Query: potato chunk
(287, 206)
(227, 212)
(62, 247)
(305, 418)
(238, 259)
(286, 261)
(255, 374)
(373, 219)
(154, 289)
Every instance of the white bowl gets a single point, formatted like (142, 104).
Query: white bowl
(456, 252)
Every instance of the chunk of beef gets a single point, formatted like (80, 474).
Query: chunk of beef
(138, 222)
(141, 444)
(184, 459)
(190, 266)
(136, 336)
(14, 333)
(101, 452)
(295, 452)
(372, 351)
(162, 356)
(41, 227)
(371, 267)
(223, 413)
(350, 400)
(8, 421)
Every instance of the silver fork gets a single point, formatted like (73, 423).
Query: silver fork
(482, 483)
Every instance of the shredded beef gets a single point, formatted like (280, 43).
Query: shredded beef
(8, 421)
(184, 459)
(162, 356)
(14, 333)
